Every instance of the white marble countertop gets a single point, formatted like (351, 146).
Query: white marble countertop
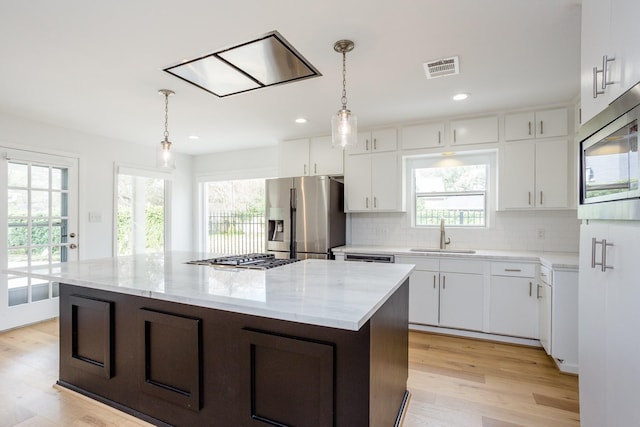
(554, 260)
(342, 295)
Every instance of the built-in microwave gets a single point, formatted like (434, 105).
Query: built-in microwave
(609, 162)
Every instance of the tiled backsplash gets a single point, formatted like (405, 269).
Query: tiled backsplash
(554, 231)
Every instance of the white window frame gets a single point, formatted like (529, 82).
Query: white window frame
(167, 176)
(488, 157)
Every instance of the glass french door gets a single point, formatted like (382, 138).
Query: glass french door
(38, 228)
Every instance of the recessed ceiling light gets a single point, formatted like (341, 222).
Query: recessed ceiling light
(194, 137)
(460, 96)
(301, 120)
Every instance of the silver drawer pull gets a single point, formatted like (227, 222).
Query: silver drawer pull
(530, 286)
(514, 270)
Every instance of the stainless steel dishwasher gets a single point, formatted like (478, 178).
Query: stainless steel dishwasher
(370, 258)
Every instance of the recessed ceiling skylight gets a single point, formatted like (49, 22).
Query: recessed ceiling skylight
(267, 61)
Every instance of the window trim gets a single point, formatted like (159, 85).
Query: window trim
(488, 157)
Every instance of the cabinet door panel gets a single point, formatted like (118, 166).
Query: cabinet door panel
(551, 123)
(474, 131)
(517, 184)
(422, 136)
(293, 158)
(552, 160)
(385, 181)
(358, 183)
(424, 292)
(592, 330)
(384, 140)
(461, 300)
(519, 126)
(514, 306)
(324, 159)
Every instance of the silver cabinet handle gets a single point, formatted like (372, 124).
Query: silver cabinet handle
(439, 138)
(541, 127)
(529, 198)
(375, 144)
(366, 145)
(605, 63)
(375, 202)
(538, 292)
(541, 198)
(444, 282)
(529, 128)
(315, 168)
(304, 167)
(604, 256)
(596, 92)
(517, 270)
(454, 136)
(434, 281)
(530, 286)
(366, 202)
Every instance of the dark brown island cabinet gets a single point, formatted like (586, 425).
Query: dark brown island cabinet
(177, 364)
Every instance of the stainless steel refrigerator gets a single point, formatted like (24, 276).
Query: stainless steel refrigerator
(305, 216)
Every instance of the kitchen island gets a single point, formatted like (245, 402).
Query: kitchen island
(313, 343)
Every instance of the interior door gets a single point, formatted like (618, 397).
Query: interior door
(39, 228)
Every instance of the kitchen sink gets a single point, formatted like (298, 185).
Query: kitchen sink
(444, 251)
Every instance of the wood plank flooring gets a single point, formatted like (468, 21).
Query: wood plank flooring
(454, 382)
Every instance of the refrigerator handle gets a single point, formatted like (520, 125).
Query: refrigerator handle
(292, 214)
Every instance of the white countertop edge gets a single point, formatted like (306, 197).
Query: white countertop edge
(554, 260)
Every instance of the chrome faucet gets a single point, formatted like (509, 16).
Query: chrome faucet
(444, 241)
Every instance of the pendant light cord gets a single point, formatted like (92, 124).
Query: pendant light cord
(166, 116)
(344, 80)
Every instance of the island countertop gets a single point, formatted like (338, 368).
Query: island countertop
(317, 292)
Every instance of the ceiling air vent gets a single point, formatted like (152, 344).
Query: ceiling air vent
(442, 67)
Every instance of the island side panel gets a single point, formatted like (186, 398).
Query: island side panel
(389, 359)
(224, 396)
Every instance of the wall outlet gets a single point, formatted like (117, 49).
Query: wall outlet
(541, 234)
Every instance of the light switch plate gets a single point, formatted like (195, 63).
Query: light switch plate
(95, 217)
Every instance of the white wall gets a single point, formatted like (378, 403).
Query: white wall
(240, 164)
(97, 156)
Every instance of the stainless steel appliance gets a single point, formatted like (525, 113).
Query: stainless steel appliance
(370, 258)
(609, 162)
(254, 261)
(305, 216)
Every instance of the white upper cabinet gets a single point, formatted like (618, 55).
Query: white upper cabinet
(474, 131)
(422, 136)
(304, 157)
(324, 159)
(535, 124)
(535, 175)
(610, 53)
(372, 183)
(377, 140)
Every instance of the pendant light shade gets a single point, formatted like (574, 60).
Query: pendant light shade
(344, 124)
(165, 158)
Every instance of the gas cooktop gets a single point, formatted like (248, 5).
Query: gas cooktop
(256, 261)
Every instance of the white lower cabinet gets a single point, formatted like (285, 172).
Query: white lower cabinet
(514, 304)
(446, 293)
(609, 344)
(461, 300)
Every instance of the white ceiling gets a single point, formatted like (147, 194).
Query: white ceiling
(97, 66)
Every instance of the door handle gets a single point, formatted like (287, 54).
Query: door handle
(73, 246)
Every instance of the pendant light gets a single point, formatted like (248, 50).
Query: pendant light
(344, 124)
(165, 157)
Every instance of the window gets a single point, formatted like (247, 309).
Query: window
(234, 216)
(140, 212)
(453, 188)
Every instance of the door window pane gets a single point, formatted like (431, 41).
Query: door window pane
(18, 202)
(39, 203)
(18, 175)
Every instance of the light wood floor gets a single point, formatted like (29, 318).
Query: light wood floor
(453, 381)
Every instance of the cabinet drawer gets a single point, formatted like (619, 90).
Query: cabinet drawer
(514, 269)
(421, 263)
(466, 266)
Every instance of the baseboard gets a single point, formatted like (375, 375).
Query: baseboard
(478, 335)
